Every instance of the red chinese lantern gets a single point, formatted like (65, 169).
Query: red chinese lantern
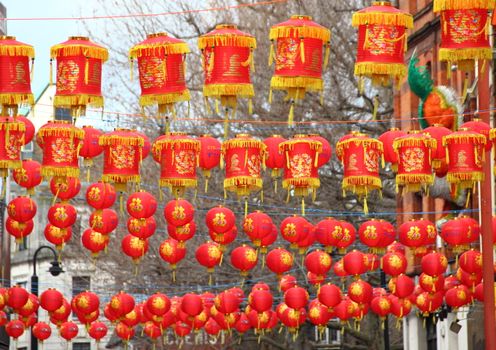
(98, 330)
(57, 236)
(394, 264)
(142, 228)
(381, 306)
(244, 258)
(60, 142)
(65, 188)
(261, 300)
(465, 32)
(471, 262)
(329, 232)
(122, 304)
(124, 332)
(192, 304)
(382, 42)
(162, 70)
(279, 261)
(101, 195)
(465, 156)
(104, 221)
(244, 159)
(307, 241)
(134, 247)
(275, 158)
(90, 148)
(387, 139)
(227, 58)
(141, 205)
(15, 81)
(458, 296)
(299, 58)
(158, 304)
(14, 328)
(431, 284)
(434, 264)
(301, 166)
(29, 175)
(62, 215)
(286, 282)
(318, 315)
(30, 307)
(227, 302)
(360, 292)
(12, 134)
(428, 303)
(122, 157)
(51, 299)
(349, 235)
(19, 230)
(257, 226)
(413, 234)
(62, 314)
(318, 262)
(178, 157)
(354, 263)
(296, 297)
(41, 331)
(171, 252)
(94, 241)
(339, 270)
(220, 219)
(400, 307)
(68, 330)
(79, 74)
(179, 212)
(209, 156)
(360, 156)
(85, 302)
(209, 255)
(471, 280)
(414, 161)
(329, 295)
(21, 209)
(377, 234)
(437, 132)
(480, 127)
(294, 229)
(460, 232)
(182, 233)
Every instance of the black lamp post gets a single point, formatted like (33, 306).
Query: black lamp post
(54, 270)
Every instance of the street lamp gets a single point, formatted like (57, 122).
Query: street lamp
(55, 269)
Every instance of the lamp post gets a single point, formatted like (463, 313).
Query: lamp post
(54, 270)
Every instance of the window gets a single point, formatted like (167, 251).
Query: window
(81, 346)
(63, 114)
(80, 284)
(23, 348)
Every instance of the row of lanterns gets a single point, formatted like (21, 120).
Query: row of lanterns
(300, 49)
(224, 311)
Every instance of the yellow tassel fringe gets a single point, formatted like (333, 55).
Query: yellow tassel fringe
(240, 90)
(243, 143)
(16, 50)
(474, 138)
(441, 5)
(409, 179)
(415, 142)
(158, 49)
(290, 144)
(455, 55)
(312, 32)
(226, 40)
(381, 18)
(76, 50)
(374, 68)
(16, 99)
(69, 131)
(168, 98)
(183, 144)
(361, 185)
(49, 171)
(243, 185)
(12, 126)
(10, 164)
(307, 182)
(178, 182)
(284, 83)
(116, 178)
(112, 140)
(78, 100)
(462, 178)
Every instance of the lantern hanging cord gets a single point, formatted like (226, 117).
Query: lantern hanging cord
(141, 15)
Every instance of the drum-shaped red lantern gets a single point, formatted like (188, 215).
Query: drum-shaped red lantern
(79, 74)
(60, 141)
(299, 58)
(227, 58)
(465, 157)
(15, 79)
(12, 135)
(414, 152)
(387, 139)
(178, 157)
(209, 158)
(360, 156)
(162, 70)
(29, 175)
(465, 31)
(123, 153)
(382, 42)
(244, 159)
(301, 172)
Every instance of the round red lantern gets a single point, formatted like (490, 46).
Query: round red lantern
(182, 233)
(62, 215)
(98, 330)
(301, 166)
(158, 304)
(171, 252)
(434, 264)
(104, 221)
(122, 157)
(382, 42)
(21, 209)
(227, 58)
(360, 156)
(51, 299)
(400, 307)
(414, 161)
(209, 255)
(460, 232)
(19, 230)
(60, 142)
(480, 127)
(162, 70)
(360, 292)
(41, 331)
(57, 236)
(329, 295)
(29, 175)
(134, 247)
(465, 33)
(209, 156)
(465, 157)
(90, 148)
(220, 219)
(376, 234)
(179, 212)
(275, 158)
(286, 282)
(61, 315)
(244, 158)
(471, 262)
(279, 261)
(387, 139)
(244, 258)
(65, 188)
(299, 58)
(101, 195)
(349, 235)
(296, 297)
(85, 302)
(318, 262)
(261, 300)
(79, 74)
(458, 296)
(381, 306)
(142, 228)
(141, 205)
(94, 241)
(14, 328)
(257, 226)
(394, 264)
(428, 303)
(178, 157)
(329, 232)
(294, 229)
(354, 263)
(227, 302)
(15, 81)
(68, 330)
(414, 235)
(124, 332)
